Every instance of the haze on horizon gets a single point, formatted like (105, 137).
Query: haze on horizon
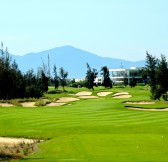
(109, 28)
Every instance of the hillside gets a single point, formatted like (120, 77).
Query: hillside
(72, 60)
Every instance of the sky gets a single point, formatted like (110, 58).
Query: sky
(123, 29)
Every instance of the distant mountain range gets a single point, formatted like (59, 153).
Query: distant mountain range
(72, 60)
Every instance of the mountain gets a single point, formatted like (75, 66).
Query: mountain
(72, 60)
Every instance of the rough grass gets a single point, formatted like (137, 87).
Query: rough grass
(17, 151)
(92, 130)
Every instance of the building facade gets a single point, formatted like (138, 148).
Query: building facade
(122, 75)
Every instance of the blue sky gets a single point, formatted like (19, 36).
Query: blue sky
(111, 28)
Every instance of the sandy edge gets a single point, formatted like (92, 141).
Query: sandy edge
(14, 141)
(122, 96)
(142, 109)
(120, 93)
(88, 97)
(139, 102)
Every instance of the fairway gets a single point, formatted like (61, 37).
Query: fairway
(99, 129)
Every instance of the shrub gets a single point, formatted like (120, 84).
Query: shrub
(40, 103)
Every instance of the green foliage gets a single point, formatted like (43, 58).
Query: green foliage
(43, 81)
(162, 75)
(56, 78)
(91, 74)
(63, 78)
(106, 77)
(157, 71)
(125, 81)
(13, 84)
(33, 91)
(144, 74)
(132, 82)
(11, 80)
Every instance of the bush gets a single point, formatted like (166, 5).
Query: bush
(40, 103)
(165, 96)
(33, 91)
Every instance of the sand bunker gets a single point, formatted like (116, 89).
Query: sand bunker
(101, 94)
(6, 105)
(142, 109)
(88, 97)
(5, 141)
(28, 104)
(66, 99)
(139, 102)
(55, 104)
(122, 95)
(83, 93)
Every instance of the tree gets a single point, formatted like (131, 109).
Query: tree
(43, 81)
(125, 81)
(13, 84)
(91, 74)
(11, 79)
(151, 66)
(162, 75)
(106, 77)
(56, 78)
(63, 77)
(144, 75)
(132, 82)
(33, 84)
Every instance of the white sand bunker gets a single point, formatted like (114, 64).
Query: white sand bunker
(6, 105)
(83, 93)
(88, 97)
(122, 95)
(4, 141)
(55, 104)
(101, 94)
(142, 109)
(139, 102)
(66, 99)
(28, 104)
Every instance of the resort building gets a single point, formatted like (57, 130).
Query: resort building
(119, 75)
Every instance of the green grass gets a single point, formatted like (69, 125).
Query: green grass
(92, 129)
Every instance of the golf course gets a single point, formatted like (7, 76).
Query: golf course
(100, 128)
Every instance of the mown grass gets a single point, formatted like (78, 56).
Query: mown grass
(92, 129)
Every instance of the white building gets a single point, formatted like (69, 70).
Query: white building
(118, 75)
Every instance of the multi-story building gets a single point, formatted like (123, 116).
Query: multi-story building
(119, 75)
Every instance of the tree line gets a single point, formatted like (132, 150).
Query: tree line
(15, 84)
